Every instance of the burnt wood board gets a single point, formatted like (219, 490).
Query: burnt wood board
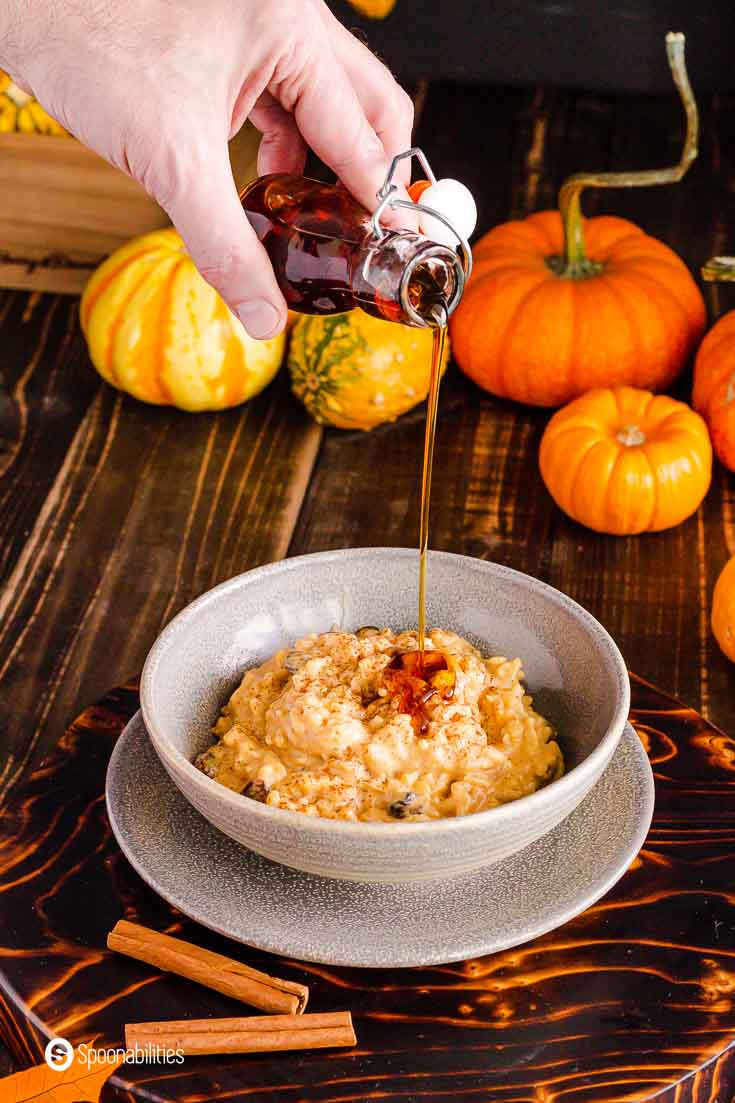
(632, 1000)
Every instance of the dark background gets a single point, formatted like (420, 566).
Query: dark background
(614, 46)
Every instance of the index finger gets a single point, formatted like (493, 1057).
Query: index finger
(388, 108)
(331, 119)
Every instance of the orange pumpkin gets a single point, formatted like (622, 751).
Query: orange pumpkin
(714, 387)
(529, 330)
(557, 304)
(622, 460)
(714, 371)
(723, 610)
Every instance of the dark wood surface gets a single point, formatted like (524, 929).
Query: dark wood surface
(114, 515)
(623, 1003)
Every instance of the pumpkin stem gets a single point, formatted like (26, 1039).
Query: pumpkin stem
(719, 270)
(631, 435)
(576, 263)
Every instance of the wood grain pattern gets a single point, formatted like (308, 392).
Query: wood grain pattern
(115, 514)
(59, 197)
(621, 1004)
(53, 273)
(64, 208)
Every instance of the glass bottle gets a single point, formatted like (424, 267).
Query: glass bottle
(327, 257)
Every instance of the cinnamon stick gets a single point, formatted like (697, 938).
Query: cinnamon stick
(213, 970)
(256, 1034)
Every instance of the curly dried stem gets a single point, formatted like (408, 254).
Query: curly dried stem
(576, 263)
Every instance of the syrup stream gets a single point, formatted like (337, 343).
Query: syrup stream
(439, 316)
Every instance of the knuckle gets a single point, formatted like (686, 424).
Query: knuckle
(172, 170)
(296, 67)
(152, 152)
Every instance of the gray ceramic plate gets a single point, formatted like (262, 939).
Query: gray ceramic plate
(219, 883)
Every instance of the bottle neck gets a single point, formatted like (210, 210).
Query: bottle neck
(432, 284)
(405, 277)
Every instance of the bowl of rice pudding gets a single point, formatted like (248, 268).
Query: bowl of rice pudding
(296, 709)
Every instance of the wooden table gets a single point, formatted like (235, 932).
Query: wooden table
(113, 515)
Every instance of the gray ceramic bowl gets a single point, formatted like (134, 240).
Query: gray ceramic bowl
(573, 669)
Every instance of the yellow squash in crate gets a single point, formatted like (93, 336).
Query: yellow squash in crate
(354, 371)
(156, 329)
(19, 111)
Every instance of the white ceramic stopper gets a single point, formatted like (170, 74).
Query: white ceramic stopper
(453, 199)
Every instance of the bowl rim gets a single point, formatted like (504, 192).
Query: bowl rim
(552, 792)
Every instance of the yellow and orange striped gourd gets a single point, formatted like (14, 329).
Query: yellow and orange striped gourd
(156, 329)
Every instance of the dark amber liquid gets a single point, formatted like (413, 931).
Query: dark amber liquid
(317, 237)
(415, 679)
(310, 231)
(437, 355)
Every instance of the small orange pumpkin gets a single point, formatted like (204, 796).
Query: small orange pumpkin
(714, 372)
(622, 460)
(723, 610)
(529, 329)
(557, 304)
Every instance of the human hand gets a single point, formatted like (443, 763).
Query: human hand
(158, 88)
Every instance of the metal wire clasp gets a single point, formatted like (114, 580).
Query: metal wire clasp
(387, 198)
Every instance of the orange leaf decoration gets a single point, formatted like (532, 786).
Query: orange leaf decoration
(45, 1085)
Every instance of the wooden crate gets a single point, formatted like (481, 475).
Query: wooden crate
(64, 209)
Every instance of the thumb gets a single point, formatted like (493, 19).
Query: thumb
(223, 245)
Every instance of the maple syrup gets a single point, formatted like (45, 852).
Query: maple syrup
(414, 680)
(432, 406)
(327, 259)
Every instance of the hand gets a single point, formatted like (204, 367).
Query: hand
(158, 87)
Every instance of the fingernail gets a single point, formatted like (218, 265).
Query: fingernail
(260, 318)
